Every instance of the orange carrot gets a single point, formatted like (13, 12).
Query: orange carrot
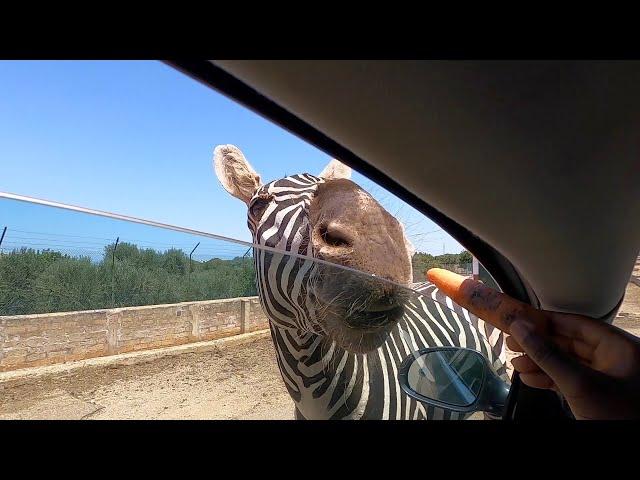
(492, 306)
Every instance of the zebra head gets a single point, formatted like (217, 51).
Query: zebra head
(331, 218)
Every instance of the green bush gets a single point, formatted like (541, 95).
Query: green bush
(46, 281)
(460, 262)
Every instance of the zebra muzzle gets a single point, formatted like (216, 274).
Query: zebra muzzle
(374, 318)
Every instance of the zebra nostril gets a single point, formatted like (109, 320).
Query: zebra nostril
(335, 236)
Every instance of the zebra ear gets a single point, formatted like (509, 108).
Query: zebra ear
(234, 172)
(335, 170)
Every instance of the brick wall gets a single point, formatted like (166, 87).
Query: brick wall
(44, 339)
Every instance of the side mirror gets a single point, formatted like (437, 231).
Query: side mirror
(457, 379)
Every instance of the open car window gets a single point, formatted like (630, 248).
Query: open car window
(128, 287)
(328, 335)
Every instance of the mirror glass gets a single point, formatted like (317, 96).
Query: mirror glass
(452, 376)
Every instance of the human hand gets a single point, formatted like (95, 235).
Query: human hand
(594, 365)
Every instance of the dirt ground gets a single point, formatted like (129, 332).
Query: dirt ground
(223, 381)
(226, 382)
(628, 316)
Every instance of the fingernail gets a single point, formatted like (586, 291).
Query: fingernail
(520, 329)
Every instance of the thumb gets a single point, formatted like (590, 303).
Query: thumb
(565, 372)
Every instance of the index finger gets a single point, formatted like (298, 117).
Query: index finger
(494, 307)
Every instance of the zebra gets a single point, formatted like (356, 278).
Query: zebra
(339, 336)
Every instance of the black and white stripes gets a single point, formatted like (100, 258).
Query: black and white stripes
(324, 380)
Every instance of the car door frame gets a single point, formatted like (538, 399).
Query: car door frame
(523, 402)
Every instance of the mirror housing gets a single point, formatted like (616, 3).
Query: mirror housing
(486, 393)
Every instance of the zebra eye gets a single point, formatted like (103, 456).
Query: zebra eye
(259, 205)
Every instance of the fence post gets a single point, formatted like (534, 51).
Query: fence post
(189, 273)
(245, 309)
(113, 264)
(2, 237)
(475, 268)
(112, 321)
(195, 321)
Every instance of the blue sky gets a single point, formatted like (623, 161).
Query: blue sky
(136, 137)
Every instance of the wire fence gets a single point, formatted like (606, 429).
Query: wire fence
(46, 272)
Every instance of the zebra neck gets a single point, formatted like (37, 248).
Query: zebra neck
(324, 380)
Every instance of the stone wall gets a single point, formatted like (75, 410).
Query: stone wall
(45, 339)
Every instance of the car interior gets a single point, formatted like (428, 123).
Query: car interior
(531, 165)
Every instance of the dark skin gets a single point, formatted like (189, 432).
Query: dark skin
(594, 365)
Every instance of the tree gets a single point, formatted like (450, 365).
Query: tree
(465, 257)
(451, 261)
(69, 284)
(44, 281)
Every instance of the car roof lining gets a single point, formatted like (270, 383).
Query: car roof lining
(537, 159)
(212, 76)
